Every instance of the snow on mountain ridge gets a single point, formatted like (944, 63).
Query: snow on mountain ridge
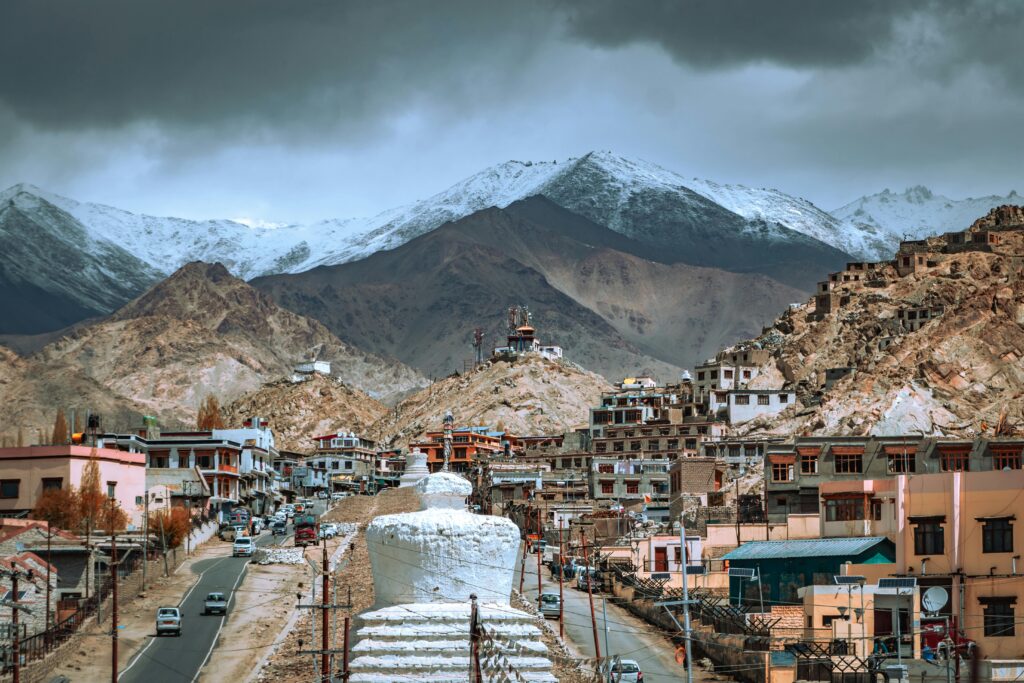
(252, 250)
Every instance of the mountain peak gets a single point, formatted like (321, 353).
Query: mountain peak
(918, 194)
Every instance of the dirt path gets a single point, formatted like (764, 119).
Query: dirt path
(90, 661)
(285, 665)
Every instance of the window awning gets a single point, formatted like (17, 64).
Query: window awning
(782, 459)
(847, 450)
(927, 519)
(1000, 518)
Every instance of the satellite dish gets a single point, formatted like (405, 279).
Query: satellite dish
(934, 599)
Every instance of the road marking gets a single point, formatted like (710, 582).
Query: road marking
(220, 626)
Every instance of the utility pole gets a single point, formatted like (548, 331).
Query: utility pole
(540, 536)
(561, 581)
(686, 598)
(325, 644)
(145, 538)
(590, 594)
(49, 535)
(15, 643)
(113, 582)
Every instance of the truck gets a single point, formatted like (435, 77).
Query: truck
(945, 638)
(306, 530)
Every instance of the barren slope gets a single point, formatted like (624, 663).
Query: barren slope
(531, 396)
(298, 411)
(954, 376)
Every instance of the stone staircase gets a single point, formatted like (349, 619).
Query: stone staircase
(429, 643)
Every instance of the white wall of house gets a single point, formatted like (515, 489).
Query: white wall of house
(743, 405)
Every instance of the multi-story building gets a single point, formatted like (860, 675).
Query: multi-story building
(633, 408)
(728, 370)
(693, 480)
(349, 460)
(26, 472)
(469, 445)
(794, 470)
(658, 439)
(742, 405)
(625, 480)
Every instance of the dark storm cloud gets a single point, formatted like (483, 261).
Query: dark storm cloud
(69, 63)
(813, 33)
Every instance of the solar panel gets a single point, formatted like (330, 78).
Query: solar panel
(742, 572)
(849, 580)
(696, 569)
(899, 582)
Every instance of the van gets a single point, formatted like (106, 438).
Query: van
(550, 605)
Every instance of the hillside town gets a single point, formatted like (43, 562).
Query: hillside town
(679, 528)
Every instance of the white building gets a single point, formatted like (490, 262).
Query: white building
(746, 404)
(304, 371)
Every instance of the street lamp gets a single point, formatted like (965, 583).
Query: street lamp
(850, 582)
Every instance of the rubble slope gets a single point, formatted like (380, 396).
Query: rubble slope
(960, 374)
(298, 411)
(532, 395)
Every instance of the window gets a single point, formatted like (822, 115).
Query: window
(632, 486)
(618, 446)
(726, 374)
(335, 465)
(1006, 460)
(929, 538)
(634, 445)
(348, 464)
(997, 535)
(742, 399)
(782, 471)
(876, 510)
(691, 444)
(783, 398)
(9, 488)
(460, 452)
(53, 483)
(606, 468)
(607, 486)
(763, 399)
(848, 462)
(653, 444)
(205, 462)
(998, 616)
(601, 447)
(700, 376)
(902, 462)
(844, 509)
(827, 619)
(955, 461)
(714, 374)
(746, 374)
(673, 444)
(138, 500)
(808, 463)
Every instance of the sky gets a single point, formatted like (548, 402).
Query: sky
(295, 111)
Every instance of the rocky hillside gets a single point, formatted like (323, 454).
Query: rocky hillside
(298, 411)
(204, 331)
(530, 396)
(616, 305)
(959, 374)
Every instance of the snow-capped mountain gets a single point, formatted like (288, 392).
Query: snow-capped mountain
(915, 213)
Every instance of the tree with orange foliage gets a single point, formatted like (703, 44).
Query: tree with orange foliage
(209, 416)
(59, 507)
(176, 525)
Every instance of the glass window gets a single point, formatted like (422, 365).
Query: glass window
(955, 461)
(999, 617)
(53, 483)
(902, 463)
(929, 539)
(808, 463)
(742, 399)
(844, 509)
(1006, 460)
(782, 472)
(997, 535)
(632, 486)
(783, 398)
(607, 486)
(848, 463)
(763, 399)
(9, 488)
(727, 374)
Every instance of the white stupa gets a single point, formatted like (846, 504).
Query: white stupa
(426, 565)
(415, 468)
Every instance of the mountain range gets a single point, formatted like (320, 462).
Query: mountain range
(627, 265)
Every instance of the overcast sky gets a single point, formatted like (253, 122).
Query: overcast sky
(293, 111)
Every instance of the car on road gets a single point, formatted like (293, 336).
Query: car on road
(215, 603)
(279, 529)
(550, 605)
(322, 494)
(257, 526)
(582, 575)
(339, 495)
(243, 547)
(623, 671)
(168, 620)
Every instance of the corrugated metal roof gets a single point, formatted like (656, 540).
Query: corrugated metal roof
(814, 547)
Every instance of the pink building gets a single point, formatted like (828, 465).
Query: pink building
(27, 471)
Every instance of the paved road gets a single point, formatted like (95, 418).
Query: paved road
(180, 659)
(627, 636)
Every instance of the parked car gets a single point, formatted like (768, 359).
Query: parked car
(243, 547)
(168, 620)
(550, 605)
(278, 529)
(582, 575)
(328, 530)
(215, 603)
(623, 671)
(339, 495)
(322, 494)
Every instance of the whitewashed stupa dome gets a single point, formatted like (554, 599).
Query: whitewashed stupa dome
(443, 553)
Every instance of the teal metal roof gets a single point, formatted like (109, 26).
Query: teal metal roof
(814, 547)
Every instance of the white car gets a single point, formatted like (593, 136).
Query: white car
(625, 671)
(339, 495)
(243, 547)
(328, 530)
